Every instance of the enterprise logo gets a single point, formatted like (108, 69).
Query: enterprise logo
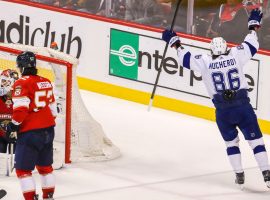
(127, 55)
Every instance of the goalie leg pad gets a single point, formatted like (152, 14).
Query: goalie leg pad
(3, 165)
(58, 155)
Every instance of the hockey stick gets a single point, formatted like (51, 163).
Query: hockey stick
(7, 163)
(162, 59)
(2, 193)
(11, 157)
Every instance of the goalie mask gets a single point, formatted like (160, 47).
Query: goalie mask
(7, 79)
(218, 46)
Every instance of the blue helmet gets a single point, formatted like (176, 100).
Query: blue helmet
(26, 59)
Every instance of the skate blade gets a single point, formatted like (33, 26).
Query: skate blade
(268, 184)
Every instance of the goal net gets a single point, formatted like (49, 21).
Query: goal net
(78, 135)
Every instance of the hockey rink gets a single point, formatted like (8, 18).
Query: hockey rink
(165, 156)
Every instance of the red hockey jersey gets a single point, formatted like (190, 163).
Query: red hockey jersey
(5, 113)
(34, 105)
(228, 13)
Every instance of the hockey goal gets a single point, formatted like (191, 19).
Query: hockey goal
(78, 134)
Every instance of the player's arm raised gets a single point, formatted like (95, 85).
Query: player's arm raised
(187, 59)
(250, 46)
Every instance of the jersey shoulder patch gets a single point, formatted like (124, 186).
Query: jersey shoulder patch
(17, 90)
(19, 85)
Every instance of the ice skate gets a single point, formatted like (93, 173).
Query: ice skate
(266, 177)
(240, 180)
(50, 197)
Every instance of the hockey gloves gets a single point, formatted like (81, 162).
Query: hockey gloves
(254, 20)
(11, 132)
(171, 38)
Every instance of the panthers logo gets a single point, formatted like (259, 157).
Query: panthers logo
(17, 90)
(8, 103)
(3, 125)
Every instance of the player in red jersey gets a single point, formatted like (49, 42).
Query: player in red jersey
(34, 111)
(7, 79)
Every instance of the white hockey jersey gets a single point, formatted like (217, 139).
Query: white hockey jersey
(226, 71)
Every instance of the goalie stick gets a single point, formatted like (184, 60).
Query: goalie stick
(162, 59)
(9, 159)
(2, 193)
(7, 163)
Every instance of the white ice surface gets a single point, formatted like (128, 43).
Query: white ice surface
(165, 156)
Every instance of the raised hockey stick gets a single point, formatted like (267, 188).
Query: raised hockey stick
(163, 56)
(2, 193)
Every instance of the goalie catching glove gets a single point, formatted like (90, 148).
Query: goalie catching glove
(11, 132)
(254, 20)
(171, 38)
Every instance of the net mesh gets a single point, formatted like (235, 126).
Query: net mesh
(88, 141)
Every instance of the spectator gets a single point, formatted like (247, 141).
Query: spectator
(119, 9)
(232, 13)
(57, 3)
(100, 7)
(49, 2)
(93, 6)
(203, 10)
(147, 12)
(68, 4)
(212, 18)
(84, 6)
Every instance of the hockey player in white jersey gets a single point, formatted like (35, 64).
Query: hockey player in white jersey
(222, 74)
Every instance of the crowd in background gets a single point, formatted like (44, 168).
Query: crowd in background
(211, 18)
